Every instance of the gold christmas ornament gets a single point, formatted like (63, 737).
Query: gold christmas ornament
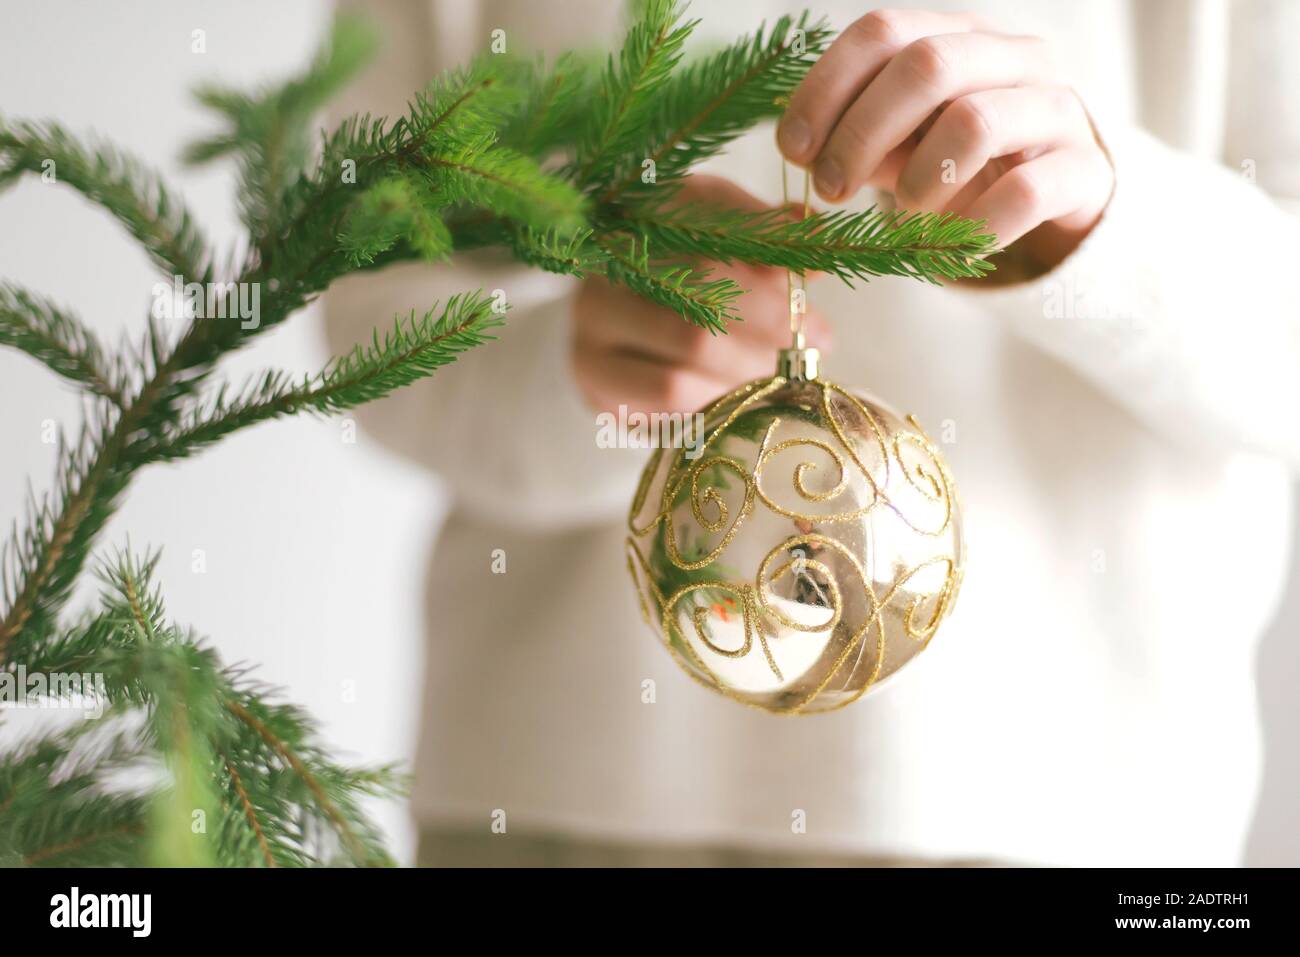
(804, 548)
(807, 552)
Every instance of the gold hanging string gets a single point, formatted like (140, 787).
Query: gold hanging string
(798, 304)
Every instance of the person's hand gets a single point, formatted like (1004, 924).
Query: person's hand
(952, 116)
(628, 351)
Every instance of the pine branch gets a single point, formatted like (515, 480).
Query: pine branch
(555, 108)
(269, 133)
(59, 340)
(413, 349)
(507, 182)
(652, 48)
(706, 105)
(55, 806)
(571, 255)
(395, 209)
(215, 728)
(709, 304)
(852, 246)
(121, 185)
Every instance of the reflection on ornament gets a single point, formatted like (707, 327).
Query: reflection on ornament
(808, 551)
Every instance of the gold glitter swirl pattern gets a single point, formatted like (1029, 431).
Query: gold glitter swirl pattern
(845, 597)
(799, 479)
(707, 497)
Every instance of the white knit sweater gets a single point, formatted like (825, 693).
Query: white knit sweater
(1122, 427)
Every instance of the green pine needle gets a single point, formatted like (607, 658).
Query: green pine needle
(269, 133)
(60, 341)
(116, 182)
(556, 104)
(397, 208)
(707, 104)
(688, 292)
(412, 349)
(573, 254)
(852, 246)
(629, 86)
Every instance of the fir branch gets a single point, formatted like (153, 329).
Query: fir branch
(300, 768)
(55, 804)
(41, 564)
(570, 255)
(458, 170)
(213, 725)
(88, 830)
(59, 340)
(556, 106)
(462, 106)
(183, 682)
(706, 105)
(507, 182)
(412, 349)
(269, 133)
(119, 184)
(707, 303)
(293, 270)
(851, 246)
(397, 208)
(652, 48)
(250, 812)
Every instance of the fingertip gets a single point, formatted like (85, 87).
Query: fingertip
(794, 138)
(828, 179)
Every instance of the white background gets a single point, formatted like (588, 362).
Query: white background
(314, 547)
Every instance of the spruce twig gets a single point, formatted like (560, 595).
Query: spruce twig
(851, 246)
(412, 349)
(59, 340)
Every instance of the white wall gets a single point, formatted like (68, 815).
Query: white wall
(314, 548)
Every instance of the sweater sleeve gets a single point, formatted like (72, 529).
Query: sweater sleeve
(1180, 304)
(504, 425)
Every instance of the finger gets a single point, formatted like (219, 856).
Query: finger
(644, 384)
(721, 357)
(915, 83)
(765, 306)
(715, 191)
(981, 126)
(844, 71)
(613, 313)
(664, 336)
(885, 176)
(722, 194)
(1069, 186)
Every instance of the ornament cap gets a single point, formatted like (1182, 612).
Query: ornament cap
(798, 364)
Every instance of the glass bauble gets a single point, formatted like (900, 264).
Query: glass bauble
(801, 549)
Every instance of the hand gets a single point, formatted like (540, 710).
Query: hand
(627, 351)
(951, 116)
